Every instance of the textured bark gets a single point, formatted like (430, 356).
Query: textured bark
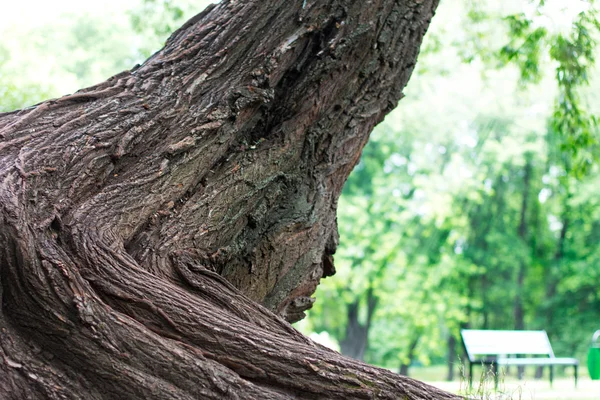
(157, 229)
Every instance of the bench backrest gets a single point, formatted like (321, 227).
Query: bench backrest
(487, 342)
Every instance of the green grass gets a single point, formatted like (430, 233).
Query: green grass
(511, 388)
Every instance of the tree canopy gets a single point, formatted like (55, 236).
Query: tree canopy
(472, 204)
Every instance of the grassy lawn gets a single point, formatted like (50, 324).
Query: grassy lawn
(511, 388)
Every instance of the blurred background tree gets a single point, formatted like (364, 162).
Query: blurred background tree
(473, 204)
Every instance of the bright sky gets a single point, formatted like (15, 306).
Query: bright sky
(557, 15)
(38, 12)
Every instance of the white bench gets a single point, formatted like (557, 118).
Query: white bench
(501, 348)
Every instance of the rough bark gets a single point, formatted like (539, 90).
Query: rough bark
(143, 221)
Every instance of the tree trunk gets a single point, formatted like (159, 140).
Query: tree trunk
(518, 310)
(404, 366)
(356, 341)
(143, 221)
(553, 273)
(452, 357)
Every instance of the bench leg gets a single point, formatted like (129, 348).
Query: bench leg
(495, 372)
(470, 375)
(551, 374)
(575, 375)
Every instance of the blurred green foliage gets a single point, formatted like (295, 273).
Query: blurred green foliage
(82, 46)
(472, 205)
(14, 93)
(573, 53)
(155, 20)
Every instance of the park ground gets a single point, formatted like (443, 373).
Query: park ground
(511, 388)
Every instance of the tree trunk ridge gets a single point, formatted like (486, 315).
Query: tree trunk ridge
(142, 220)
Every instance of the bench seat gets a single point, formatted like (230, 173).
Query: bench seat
(537, 361)
(512, 348)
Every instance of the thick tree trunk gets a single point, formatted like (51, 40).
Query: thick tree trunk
(143, 220)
